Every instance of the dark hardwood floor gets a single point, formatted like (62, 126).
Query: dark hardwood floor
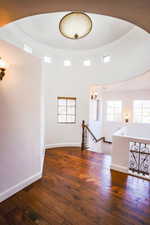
(79, 189)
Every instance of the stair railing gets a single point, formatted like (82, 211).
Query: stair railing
(85, 130)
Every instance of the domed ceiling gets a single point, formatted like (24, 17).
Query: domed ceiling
(127, 45)
(44, 28)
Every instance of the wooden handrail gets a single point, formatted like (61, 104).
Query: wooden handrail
(96, 140)
(91, 133)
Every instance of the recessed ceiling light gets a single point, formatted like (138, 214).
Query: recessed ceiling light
(27, 49)
(87, 62)
(75, 25)
(67, 63)
(47, 59)
(106, 58)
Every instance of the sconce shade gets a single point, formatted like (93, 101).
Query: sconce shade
(94, 96)
(75, 25)
(3, 64)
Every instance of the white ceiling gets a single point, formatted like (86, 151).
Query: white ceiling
(44, 28)
(128, 46)
(138, 83)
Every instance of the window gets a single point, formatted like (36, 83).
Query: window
(47, 59)
(114, 111)
(141, 111)
(66, 110)
(87, 62)
(67, 63)
(106, 59)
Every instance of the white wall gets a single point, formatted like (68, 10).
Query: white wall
(76, 81)
(95, 118)
(20, 121)
(64, 81)
(127, 98)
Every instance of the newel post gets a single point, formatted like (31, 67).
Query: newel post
(83, 136)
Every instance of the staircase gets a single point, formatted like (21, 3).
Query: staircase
(85, 131)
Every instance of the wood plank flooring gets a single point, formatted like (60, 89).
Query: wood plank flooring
(79, 189)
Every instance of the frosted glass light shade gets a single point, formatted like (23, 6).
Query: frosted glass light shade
(3, 64)
(75, 25)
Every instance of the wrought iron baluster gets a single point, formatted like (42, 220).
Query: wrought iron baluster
(139, 161)
(139, 158)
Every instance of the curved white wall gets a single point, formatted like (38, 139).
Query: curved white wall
(71, 81)
(20, 121)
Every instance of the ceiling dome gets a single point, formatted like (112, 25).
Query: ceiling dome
(125, 45)
(44, 28)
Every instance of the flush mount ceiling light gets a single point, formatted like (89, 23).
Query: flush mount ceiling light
(75, 25)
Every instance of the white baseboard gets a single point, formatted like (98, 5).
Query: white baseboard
(62, 145)
(119, 168)
(42, 159)
(18, 187)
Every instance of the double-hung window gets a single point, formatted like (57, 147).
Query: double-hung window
(114, 111)
(141, 111)
(66, 110)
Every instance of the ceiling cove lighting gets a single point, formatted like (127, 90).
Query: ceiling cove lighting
(27, 49)
(67, 63)
(75, 25)
(106, 59)
(87, 62)
(3, 66)
(47, 59)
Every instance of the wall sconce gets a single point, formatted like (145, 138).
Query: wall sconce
(3, 66)
(94, 96)
(126, 118)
